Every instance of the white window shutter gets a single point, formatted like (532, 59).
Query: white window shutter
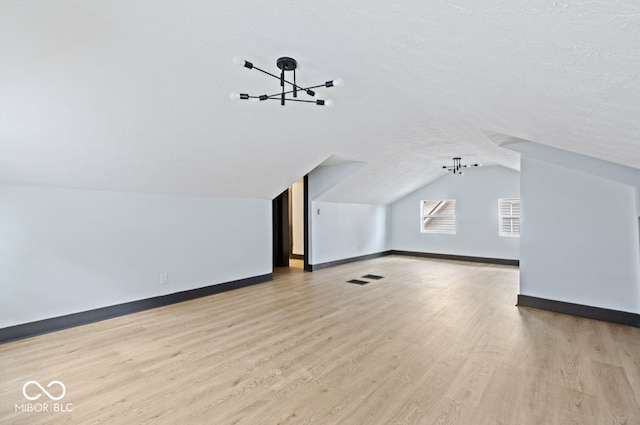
(439, 216)
(509, 216)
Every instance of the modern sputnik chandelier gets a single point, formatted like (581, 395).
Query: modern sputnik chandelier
(285, 64)
(457, 166)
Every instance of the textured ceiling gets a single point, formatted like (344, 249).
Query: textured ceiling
(134, 95)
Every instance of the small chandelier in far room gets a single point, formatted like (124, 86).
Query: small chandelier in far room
(457, 166)
(285, 64)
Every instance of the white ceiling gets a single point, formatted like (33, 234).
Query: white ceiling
(133, 95)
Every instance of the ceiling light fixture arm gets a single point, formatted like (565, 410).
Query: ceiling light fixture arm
(281, 78)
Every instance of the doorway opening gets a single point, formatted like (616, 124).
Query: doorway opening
(290, 227)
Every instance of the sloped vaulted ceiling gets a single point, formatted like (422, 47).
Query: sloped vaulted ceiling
(134, 95)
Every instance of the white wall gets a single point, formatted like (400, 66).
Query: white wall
(324, 177)
(580, 235)
(476, 194)
(297, 217)
(64, 251)
(597, 167)
(341, 231)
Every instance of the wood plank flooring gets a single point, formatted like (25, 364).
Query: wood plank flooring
(434, 342)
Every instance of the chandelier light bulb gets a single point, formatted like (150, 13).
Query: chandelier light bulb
(234, 96)
(338, 82)
(328, 103)
(237, 60)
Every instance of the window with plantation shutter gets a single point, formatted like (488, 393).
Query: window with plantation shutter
(509, 216)
(438, 216)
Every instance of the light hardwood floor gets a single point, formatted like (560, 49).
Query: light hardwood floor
(434, 342)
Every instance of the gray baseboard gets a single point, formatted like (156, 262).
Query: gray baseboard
(486, 260)
(500, 261)
(27, 330)
(320, 266)
(589, 312)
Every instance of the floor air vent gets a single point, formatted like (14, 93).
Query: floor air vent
(357, 281)
(372, 276)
